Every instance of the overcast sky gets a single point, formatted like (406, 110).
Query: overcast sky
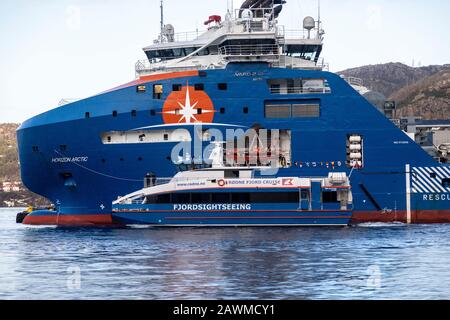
(55, 49)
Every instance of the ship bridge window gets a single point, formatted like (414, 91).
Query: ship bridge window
(177, 87)
(175, 53)
(298, 86)
(307, 52)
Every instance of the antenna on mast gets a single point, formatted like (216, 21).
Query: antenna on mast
(230, 6)
(162, 21)
(318, 19)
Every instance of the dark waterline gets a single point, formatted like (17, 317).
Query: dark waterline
(374, 261)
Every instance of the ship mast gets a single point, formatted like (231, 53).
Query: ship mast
(162, 22)
(318, 21)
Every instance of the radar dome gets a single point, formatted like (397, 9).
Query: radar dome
(169, 32)
(309, 23)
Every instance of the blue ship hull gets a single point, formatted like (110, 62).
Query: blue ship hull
(238, 218)
(64, 159)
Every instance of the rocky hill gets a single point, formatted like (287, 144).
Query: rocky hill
(420, 91)
(390, 77)
(12, 192)
(428, 98)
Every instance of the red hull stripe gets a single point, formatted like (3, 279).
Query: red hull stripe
(424, 216)
(69, 220)
(430, 216)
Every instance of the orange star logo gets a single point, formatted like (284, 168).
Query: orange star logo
(188, 106)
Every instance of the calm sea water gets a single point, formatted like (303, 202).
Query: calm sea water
(374, 261)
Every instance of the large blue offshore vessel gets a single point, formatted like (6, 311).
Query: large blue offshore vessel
(91, 157)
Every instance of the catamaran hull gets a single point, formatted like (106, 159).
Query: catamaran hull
(223, 219)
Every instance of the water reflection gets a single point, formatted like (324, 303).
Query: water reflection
(368, 262)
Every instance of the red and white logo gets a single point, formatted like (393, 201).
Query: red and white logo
(288, 182)
(188, 106)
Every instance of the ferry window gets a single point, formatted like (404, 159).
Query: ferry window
(163, 198)
(181, 198)
(35, 149)
(87, 115)
(166, 137)
(220, 198)
(133, 113)
(305, 111)
(433, 175)
(114, 114)
(199, 111)
(240, 197)
(201, 197)
(222, 110)
(199, 87)
(245, 110)
(446, 183)
(158, 91)
(278, 111)
(222, 86)
(141, 89)
(152, 112)
(329, 197)
(177, 87)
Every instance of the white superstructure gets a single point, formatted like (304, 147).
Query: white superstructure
(248, 34)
